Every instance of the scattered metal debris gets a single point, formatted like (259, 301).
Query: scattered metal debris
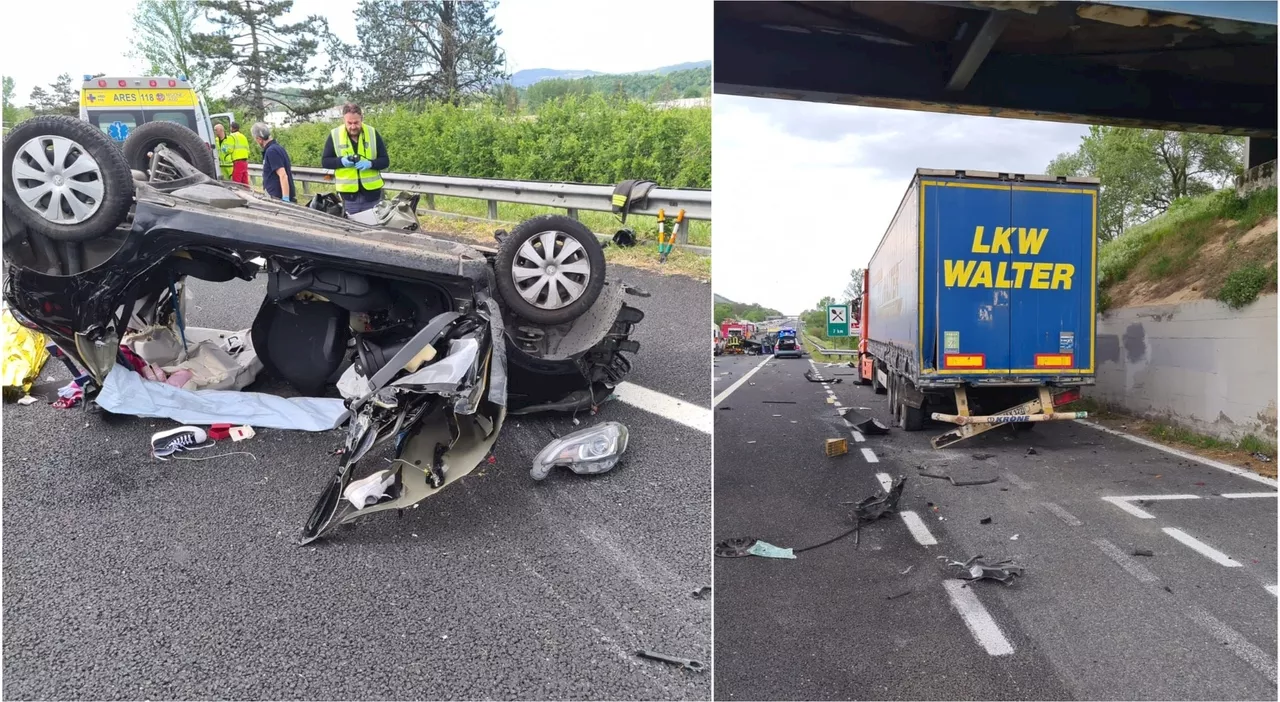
(1031, 452)
(686, 663)
(1013, 538)
(724, 408)
(958, 483)
(871, 427)
(808, 375)
(735, 548)
(876, 506)
(979, 568)
(908, 570)
(1262, 457)
(985, 520)
(900, 594)
(1144, 552)
(702, 592)
(983, 456)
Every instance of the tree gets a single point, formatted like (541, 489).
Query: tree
(723, 311)
(413, 50)
(853, 288)
(265, 54)
(61, 98)
(163, 36)
(1142, 171)
(11, 114)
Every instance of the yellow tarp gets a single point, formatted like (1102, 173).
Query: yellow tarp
(24, 356)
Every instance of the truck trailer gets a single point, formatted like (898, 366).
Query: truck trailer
(980, 303)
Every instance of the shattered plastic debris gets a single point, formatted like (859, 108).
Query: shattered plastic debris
(871, 427)
(768, 550)
(1143, 552)
(876, 506)
(368, 491)
(979, 568)
(735, 548)
(958, 483)
(985, 520)
(809, 376)
(1262, 457)
(1031, 452)
(983, 456)
(1013, 538)
(702, 592)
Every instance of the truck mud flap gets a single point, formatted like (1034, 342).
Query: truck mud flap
(1037, 410)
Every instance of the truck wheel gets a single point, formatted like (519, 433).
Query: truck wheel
(550, 269)
(912, 417)
(1023, 427)
(65, 179)
(142, 141)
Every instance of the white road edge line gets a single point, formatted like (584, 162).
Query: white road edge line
(729, 390)
(1183, 454)
(975, 616)
(870, 455)
(1239, 495)
(1063, 514)
(1260, 660)
(1131, 566)
(1123, 502)
(916, 526)
(1201, 547)
(686, 413)
(1270, 588)
(858, 437)
(886, 481)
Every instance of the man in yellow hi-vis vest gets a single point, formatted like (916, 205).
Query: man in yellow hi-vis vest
(239, 155)
(357, 155)
(224, 150)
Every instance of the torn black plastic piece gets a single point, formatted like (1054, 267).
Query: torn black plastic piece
(735, 548)
(881, 503)
(979, 568)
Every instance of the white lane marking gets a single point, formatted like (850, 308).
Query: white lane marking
(1063, 514)
(1260, 660)
(1017, 481)
(916, 526)
(729, 390)
(1183, 454)
(870, 455)
(1201, 547)
(886, 481)
(1271, 589)
(653, 401)
(981, 625)
(857, 436)
(1134, 568)
(1240, 495)
(1123, 502)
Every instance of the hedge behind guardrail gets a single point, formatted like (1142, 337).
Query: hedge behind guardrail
(590, 139)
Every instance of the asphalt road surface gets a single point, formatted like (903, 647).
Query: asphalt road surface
(131, 578)
(885, 618)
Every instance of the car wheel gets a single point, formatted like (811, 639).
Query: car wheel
(141, 142)
(550, 269)
(65, 179)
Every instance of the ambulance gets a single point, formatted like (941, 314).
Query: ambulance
(118, 105)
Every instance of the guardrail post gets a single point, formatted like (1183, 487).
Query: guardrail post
(306, 188)
(573, 212)
(493, 209)
(431, 201)
(682, 233)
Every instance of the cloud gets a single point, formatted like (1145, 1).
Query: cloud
(804, 191)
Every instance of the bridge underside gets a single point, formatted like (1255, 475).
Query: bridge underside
(1083, 62)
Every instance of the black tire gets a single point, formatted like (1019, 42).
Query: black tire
(508, 252)
(186, 143)
(1023, 427)
(112, 174)
(912, 418)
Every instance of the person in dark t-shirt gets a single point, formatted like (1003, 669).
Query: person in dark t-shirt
(277, 170)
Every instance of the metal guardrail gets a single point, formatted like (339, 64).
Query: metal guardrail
(571, 196)
(829, 352)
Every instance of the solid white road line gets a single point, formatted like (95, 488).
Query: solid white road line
(1063, 514)
(1260, 660)
(870, 455)
(857, 436)
(1134, 568)
(1240, 495)
(886, 481)
(976, 617)
(1123, 502)
(653, 401)
(1201, 547)
(1270, 588)
(916, 526)
(729, 390)
(1183, 454)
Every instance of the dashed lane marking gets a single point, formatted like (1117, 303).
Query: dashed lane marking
(977, 619)
(1201, 547)
(857, 436)
(870, 455)
(1062, 514)
(1270, 588)
(886, 481)
(1124, 502)
(1261, 661)
(916, 526)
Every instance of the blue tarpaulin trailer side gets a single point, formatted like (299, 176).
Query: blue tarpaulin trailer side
(985, 281)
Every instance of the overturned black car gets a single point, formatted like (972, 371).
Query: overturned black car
(446, 339)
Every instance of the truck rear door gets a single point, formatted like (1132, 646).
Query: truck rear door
(1052, 309)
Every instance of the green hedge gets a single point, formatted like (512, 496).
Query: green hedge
(592, 139)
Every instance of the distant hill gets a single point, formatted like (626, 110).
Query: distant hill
(752, 312)
(529, 76)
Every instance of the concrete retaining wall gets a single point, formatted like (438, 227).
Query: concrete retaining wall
(1199, 364)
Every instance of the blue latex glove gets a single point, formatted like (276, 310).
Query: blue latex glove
(363, 166)
(286, 198)
(348, 161)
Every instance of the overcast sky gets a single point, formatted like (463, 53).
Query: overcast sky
(805, 191)
(610, 37)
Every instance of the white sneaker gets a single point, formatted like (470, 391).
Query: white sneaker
(166, 443)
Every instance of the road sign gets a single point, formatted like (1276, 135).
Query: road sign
(837, 320)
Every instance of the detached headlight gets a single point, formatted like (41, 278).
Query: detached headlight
(586, 452)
